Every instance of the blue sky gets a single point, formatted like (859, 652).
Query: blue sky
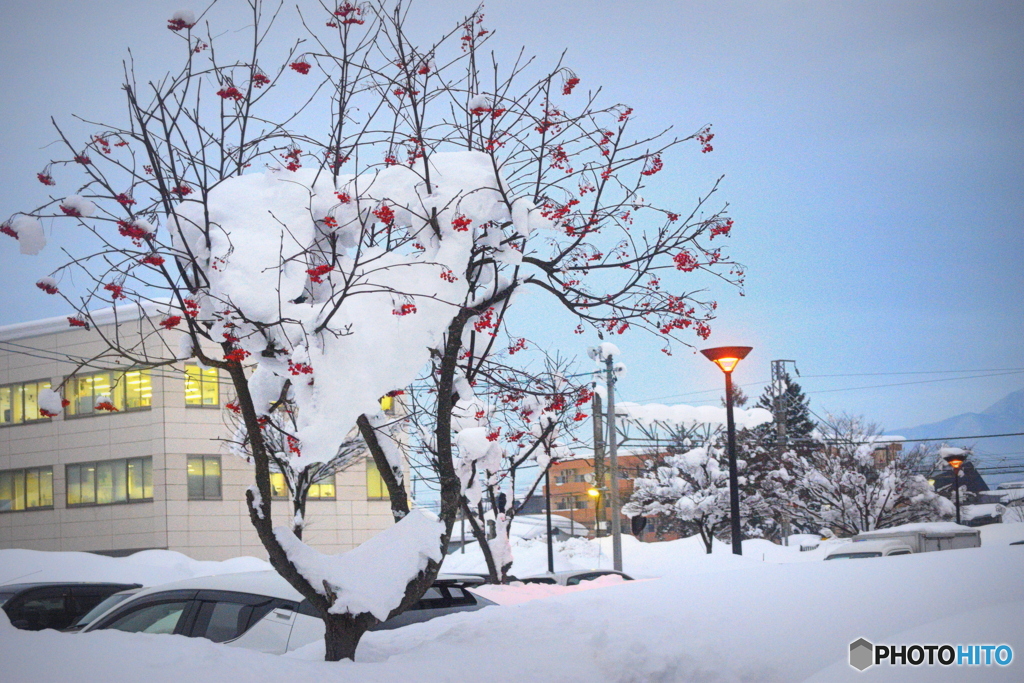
(871, 152)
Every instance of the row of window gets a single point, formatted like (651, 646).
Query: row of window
(106, 391)
(130, 480)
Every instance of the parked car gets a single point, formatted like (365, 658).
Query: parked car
(36, 606)
(259, 610)
(907, 539)
(863, 549)
(574, 577)
(101, 608)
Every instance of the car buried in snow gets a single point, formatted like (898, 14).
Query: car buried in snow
(260, 610)
(574, 577)
(38, 606)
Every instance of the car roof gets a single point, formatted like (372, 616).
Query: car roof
(267, 582)
(18, 587)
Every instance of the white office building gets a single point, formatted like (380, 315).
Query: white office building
(136, 462)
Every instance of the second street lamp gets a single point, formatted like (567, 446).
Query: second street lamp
(956, 461)
(727, 358)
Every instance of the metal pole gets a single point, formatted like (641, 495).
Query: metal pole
(547, 497)
(463, 548)
(598, 467)
(956, 485)
(734, 487)
(613, 461)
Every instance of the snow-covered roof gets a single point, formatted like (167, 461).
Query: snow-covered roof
(928, 527)
(102, 316)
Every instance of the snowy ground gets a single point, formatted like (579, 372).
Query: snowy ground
(775, 614)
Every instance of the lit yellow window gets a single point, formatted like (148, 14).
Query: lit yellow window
(322, 489)
(278, 486)
(201, 386)
(376, 489)
(19, 403)
(109, 392)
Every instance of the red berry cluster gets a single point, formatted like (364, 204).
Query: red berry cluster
(178, 24)
(654, 164)
(485, 321)
(685, 261)
(300, 368)
(83, 159)
(182, 190)
(70, 211)
(493, 436)
(292, 159)
(170, 322)
(77, 322)
(390, 160)
(569, 85)
(231, 93)
(721, 228)
(293, 445)
(625, 114)
(236, 356)
(116, 290)
(45, 178)
(704, 138)
(301, 67)
(404, 309)
(191, 308)
(47, 287)
(461, 224)
(343, 197)
(316, 273)
(560, 160)
(260, 80)
(385, 214)
(124, 200)
(349, 14)
(233, 407)
(448, 276)
(107, 406)
(153, 260)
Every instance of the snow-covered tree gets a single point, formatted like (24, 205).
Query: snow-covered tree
(692, 488)
(329, 246)
(842, 486)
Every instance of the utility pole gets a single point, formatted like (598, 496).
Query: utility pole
(547, 506)
(599, 500)
(780, 412)
(613, 459)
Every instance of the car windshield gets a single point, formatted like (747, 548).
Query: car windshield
(4, 597)
(101, 608)
(852, 556)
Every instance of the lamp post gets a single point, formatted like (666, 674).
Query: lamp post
(547, 506)
(956, 461)
(727, 358)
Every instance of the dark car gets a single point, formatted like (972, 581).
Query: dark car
(35, 606)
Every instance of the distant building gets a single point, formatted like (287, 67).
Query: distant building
(135, 463)
(572, 479)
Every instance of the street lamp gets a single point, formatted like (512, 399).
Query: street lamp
(727, 358)
(956, 461)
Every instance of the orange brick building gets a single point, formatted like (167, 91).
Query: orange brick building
(570, 483)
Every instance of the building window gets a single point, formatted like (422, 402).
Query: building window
(110, 481)
(201, 386)
(204, 477)
(109, 391)
(19, 403)
(27, 489)
(376, 489)
(321, 489)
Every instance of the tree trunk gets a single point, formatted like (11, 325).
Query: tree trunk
(342, 635)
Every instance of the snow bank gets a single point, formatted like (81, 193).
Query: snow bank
(148, 567)
(712, 621)
(372, 577)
